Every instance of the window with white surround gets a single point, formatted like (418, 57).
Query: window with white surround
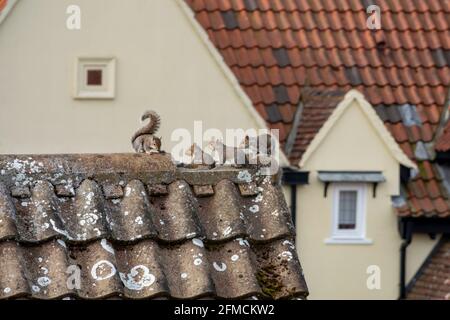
(349, 213)
(95, 78)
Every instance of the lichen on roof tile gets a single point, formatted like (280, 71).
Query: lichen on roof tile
(157, 238)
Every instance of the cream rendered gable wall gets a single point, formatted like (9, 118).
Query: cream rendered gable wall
(162, 64)
(351, 143)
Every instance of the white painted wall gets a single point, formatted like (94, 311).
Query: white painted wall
(162, 64)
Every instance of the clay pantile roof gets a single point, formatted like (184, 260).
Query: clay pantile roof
(139, 227)
(443, 143)
(433, 279)
(3, 4)
(317, 107)
(276, 48)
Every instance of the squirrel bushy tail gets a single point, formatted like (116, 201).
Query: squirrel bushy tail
(151, 127)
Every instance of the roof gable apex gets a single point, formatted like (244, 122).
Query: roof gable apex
(374, 120)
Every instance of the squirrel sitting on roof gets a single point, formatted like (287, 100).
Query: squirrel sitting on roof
(144, 140)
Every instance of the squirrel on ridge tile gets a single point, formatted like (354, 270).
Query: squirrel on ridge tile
(144, 140)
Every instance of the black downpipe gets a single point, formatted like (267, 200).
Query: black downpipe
(406, 228)
(403, 248)
(294, 203)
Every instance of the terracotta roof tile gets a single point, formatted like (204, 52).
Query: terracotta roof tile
(171, 232)
(443, 143)
(327, 46)
(432, 282)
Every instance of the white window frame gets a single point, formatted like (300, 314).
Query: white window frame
(107, 90)
(357, 235)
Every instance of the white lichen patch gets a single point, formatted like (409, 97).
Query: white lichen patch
(35, 288)
(184, 275)
(244, 176)
(191, 235)
(115, 201)
(254, 208)
(61, 243)
(198, 242)
(220, 267)
(286, 255)
(198, 261)
(89, 197)
(23, 169)
(138, 278)
(227, 231)
(7, 290)
(258, 198)
(138, 220)
(89, 218)
(288, 243)
(97, 231)
(107, 246)
(44, 281)
(243, 242)
(127, 191)
(234, 257)
(63, 232)
(103, 270)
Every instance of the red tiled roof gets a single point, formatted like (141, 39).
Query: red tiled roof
(443, 143)
(3, 4)
(433, 280)
(318, 105)
(139, 227)
(276, 48)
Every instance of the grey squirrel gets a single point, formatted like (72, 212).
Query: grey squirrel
(227, 154)
(251, 149)
(261, 144)
(199, 158)
(144, 140)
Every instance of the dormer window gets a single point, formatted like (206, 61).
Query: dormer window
(349, 211)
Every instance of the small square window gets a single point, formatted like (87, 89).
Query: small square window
(95, 78)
